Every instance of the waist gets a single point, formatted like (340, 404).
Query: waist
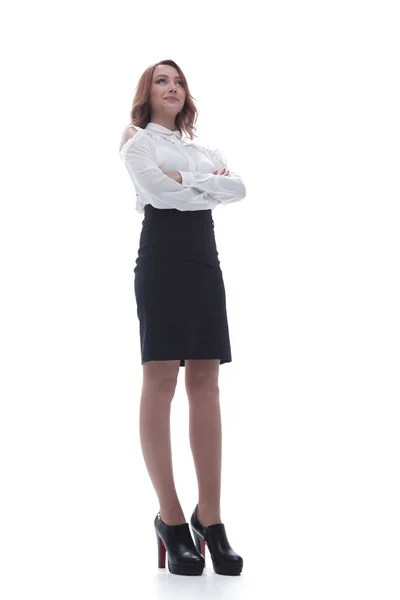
(150, 212)
(170, 234)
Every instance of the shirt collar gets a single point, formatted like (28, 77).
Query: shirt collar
(162, 129)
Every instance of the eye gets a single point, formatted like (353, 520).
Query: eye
(163, 79)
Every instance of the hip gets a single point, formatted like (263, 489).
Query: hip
(172, 235)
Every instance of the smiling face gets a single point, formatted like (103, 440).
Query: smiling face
(166, 83)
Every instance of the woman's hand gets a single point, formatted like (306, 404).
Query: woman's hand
(223, 172)
(176, 176)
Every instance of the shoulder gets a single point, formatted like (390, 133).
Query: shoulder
(132, 132)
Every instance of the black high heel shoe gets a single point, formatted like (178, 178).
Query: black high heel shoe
(225, 560)
(183, 557)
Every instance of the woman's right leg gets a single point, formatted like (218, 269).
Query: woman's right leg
(159, 384)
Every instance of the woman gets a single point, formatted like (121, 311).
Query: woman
(181, 308)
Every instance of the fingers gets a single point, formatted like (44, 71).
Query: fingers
(223, 172)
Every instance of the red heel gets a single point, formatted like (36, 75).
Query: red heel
(161, 552)
(203, 549)
(200, 545)
(176, 541)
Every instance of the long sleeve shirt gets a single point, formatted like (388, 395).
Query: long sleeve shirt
(155, 150)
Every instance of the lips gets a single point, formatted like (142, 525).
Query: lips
(172, 98)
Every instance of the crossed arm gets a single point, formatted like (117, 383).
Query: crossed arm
(176, 176)
(195, 189)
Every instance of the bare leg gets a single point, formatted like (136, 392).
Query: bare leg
(205, 430)
(159, 383)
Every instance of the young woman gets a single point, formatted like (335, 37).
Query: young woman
(181, 308)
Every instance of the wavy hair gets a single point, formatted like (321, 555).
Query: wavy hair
(141, 108)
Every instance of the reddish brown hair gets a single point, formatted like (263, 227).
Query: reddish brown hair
(141, 108)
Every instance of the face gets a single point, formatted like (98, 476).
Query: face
(166, 83)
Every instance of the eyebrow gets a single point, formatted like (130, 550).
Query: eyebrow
(162, 75)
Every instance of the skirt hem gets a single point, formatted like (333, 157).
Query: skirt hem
(182, 360)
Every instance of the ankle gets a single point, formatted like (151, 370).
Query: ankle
(172, 516)
(208, 515)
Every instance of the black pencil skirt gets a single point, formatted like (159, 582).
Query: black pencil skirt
(179, 288)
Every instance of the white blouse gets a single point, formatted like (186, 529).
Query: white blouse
(154, 150)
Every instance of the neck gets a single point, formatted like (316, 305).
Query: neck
(169, 123)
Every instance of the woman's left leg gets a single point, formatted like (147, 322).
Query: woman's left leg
(205, 432)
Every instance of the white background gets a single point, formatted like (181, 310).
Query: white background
(304, 99)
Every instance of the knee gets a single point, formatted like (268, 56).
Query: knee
(201, 386)
(160, 385)
(201, 378)
(160, 378)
